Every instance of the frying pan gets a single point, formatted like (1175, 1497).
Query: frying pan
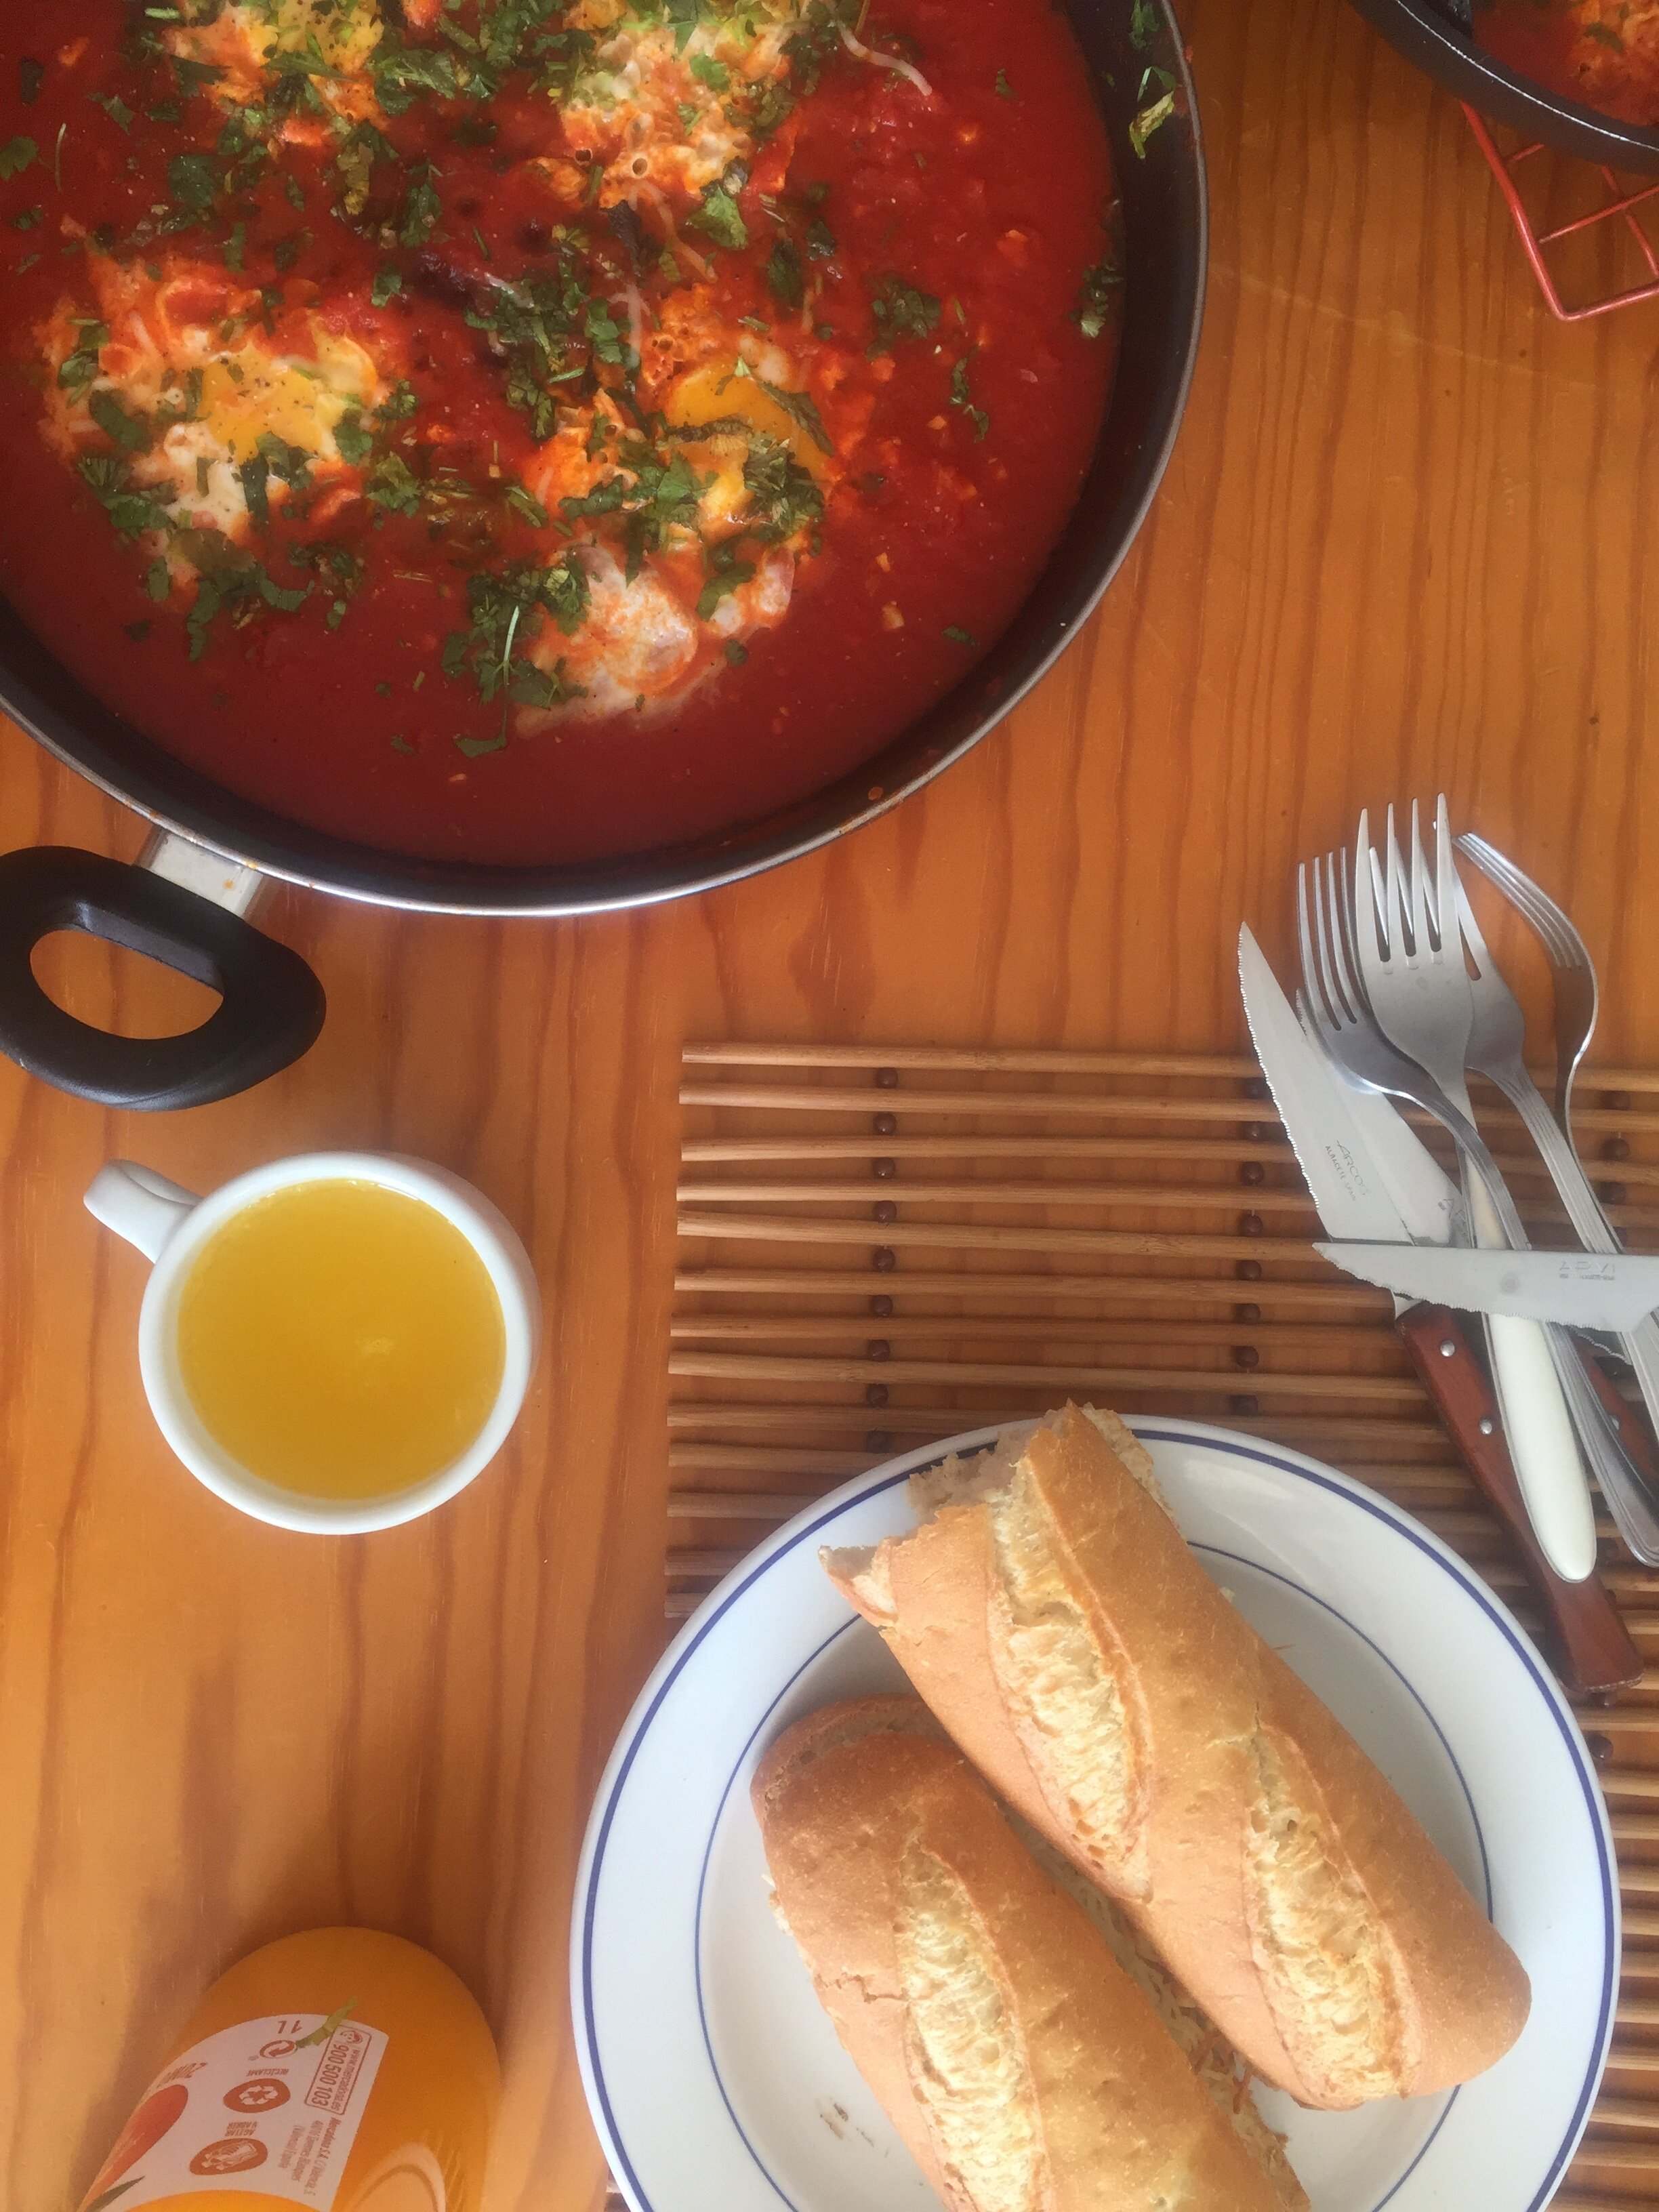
(186, 901)
(1437, 36)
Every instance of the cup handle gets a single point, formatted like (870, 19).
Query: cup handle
(139, 1205)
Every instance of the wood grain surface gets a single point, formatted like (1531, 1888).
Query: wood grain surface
(1406, 543)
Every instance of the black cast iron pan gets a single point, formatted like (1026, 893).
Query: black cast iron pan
(272, 1005)
(1438, 35)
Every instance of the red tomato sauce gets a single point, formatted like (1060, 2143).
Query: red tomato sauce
(961, 428)
(1603, 52)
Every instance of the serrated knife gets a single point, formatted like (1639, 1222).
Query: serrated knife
(1372, 1181)
(1576, 1290)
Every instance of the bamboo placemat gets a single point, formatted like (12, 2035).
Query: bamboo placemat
(882, 1246)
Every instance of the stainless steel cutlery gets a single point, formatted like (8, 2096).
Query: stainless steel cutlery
(1402, 1001)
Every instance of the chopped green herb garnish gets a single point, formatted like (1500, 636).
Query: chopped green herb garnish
(901, 311)
(393, 486)
(736, 654)
(1143, 25)
(1005, 90)
(784, 276)
(960, 637)
(725, 574)
(1148, 120)
(114, 106)
(715, 75)
(387, 284)
(82, 367)
(721, 218)
(16, 154)
(355, 444)
(963, 397)
(129, 432)
(193, 180)
(31, 75)
(797, 405)
(499, 602)
(1093, 311)
(131, 512)
(526, 503)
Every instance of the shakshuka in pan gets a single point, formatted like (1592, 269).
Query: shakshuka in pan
(530, 430)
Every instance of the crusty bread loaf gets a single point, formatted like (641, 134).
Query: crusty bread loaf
(1023, 2067)
(1051, 1614)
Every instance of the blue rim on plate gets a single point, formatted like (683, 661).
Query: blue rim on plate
(814, 1519)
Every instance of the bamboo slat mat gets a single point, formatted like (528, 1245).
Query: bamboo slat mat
(879, 1247)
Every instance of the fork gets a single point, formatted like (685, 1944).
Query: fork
(1536, 1381)
(1439, 952)
(1496, 1050)
(1573, 976)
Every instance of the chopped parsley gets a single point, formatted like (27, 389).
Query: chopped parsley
(783, 497)
(1142, 24)
(525, 503)
(715, 75)
(1005, 90)
(194, 180)
(725, 574)
(799, 406)
(130, 512)
(229, 579)
(16, 154)
(114, 106)
(963, 397)
(393, 486)
(499, 602)
(961, 636)
(1149, 119)
(721, 218)
(1093, 311)
(388, 283)
(901, 311)
(784, 276)
(131, 432)
(82, 367)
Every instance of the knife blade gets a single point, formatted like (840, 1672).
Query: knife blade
(1361, 1161)
(1345, 1181)
(1579, 1289)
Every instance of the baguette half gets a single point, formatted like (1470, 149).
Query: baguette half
(1051, 1614)
(1024, 2068)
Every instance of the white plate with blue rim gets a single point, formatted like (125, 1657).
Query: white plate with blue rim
(715, 2077)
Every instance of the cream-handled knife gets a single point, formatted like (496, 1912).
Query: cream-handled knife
(1357, 1203)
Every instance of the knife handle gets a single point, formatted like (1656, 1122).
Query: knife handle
(1593, 1644)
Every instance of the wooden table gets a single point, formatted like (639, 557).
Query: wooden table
(1405, 543)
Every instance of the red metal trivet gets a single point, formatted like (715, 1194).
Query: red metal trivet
(1620, 205)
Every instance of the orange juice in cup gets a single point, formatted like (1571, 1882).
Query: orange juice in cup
(334, 1342)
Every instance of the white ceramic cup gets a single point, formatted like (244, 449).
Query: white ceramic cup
(171, 1226)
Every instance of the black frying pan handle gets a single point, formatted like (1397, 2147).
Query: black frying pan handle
(272, 1004)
